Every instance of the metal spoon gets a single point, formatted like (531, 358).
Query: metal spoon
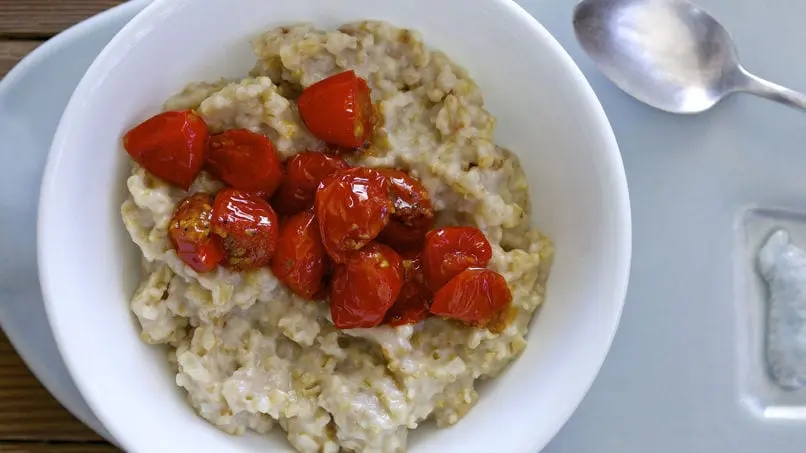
(669, 54)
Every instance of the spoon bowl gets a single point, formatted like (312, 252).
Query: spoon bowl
(670, 54)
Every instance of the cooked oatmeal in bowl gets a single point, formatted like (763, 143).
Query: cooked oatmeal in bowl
(333, 244)
(333, 226)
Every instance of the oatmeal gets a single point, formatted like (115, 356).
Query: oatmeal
(256, 344)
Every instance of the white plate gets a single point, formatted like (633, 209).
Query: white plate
(32, 98)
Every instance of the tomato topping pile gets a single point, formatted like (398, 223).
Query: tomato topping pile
(353, 207)
(304, 172)
(338, 110)
(362, 236)
(365, 286)
(245, 160)
(170, 146)
(300, 260)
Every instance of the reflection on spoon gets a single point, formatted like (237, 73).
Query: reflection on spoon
(669, 54)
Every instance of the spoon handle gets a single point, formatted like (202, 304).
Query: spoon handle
(760, 87)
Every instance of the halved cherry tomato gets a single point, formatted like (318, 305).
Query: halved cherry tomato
(413, 215)
(450, 250)
(170, 146)
(338, 110)
(304, 172)
(300, 260)
(475, 296)
(353, 207)
(245, 160)
(247, 226)
(190, 233)
(415, 297)
(365, 287)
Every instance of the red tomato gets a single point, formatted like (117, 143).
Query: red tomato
(413, 215)
(338, 110)
(353, 207)
(247, 226)
(170, 146)
(365, 286)
(450, 250)
(300, 260)
(415, 297)
(475, 296)
(245, 160)
(189, 231)
(304, 172)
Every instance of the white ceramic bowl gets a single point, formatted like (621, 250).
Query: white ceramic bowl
(546, 112)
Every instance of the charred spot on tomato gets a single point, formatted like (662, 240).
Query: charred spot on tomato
(189, 231)
(248, 227)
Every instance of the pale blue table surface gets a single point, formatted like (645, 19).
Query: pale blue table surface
(669, 384)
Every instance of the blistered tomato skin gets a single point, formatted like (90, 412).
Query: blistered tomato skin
(245, 160)
(415, 297)
(248, 227)
(475, 296)
(170, 146)
(353, 207)
(304, 172)
(450, 250)
(338, 110)
(191, 236)
(300, 260)
(365, 286)
(413, 212)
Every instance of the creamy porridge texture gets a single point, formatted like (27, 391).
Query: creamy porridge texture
(250, 353)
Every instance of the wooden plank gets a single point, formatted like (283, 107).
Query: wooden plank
(28, 411)
(41, 19)
(45, 447)
(12, 51)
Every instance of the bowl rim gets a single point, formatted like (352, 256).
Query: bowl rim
(121, 41)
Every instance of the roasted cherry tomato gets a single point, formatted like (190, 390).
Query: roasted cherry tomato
(475, 296)
(300, 261)
(338, 110)
(247, 226)
(304, 172)
(415, 297)
(413, 215)
(191, 235)
(245, 160)
(448, 251)
(170, 146)
(365, 287)
(353, 207)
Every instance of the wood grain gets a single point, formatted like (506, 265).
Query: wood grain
(27, 410)
(50, 447)
(40, 19)
(12, 51)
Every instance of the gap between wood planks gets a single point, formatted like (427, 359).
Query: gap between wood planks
(41, 19)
